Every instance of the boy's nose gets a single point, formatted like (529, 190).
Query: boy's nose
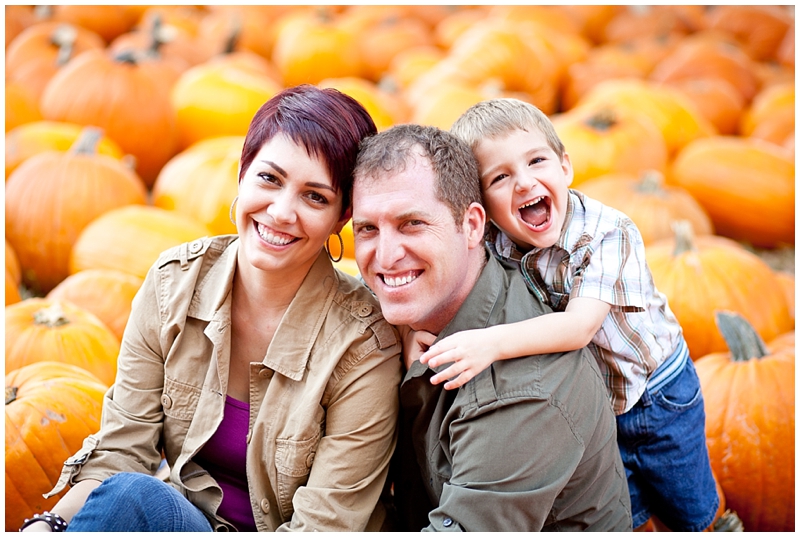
(526, 182)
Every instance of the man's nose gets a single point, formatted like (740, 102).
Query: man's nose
(389, 249)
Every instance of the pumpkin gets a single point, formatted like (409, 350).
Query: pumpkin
(749, 403)
(12, 264)
(381, 42)
(126, 96)
(107, 21)
(786, 281)
(700, 275)
(448, 30)
(771, 115)
(131, 238)
(40, 51)
(12, 290)
(639, 21)
(593, 19)
(105, 293)
(759, 29)
(187, 18)
(38, 136)
(785, 53)
(651, 204)
(52, 196)
(216, 99)
(716, 99)
(672, 112)
(411, 63)
(17, 19)
(50, 408)
(254, 26)
(705, 55)
(39, 329)
(445, 102)
(314, 47)
(21, 107)
(602, 140)
(746, 185)
(385, 108)
(546, 16)
(202, 181)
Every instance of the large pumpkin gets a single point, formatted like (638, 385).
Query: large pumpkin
(104, 292)
(201, 182)
(746, 185)
(749, 402)
(51, 197)
(605, 140)
(125, 95)
(50, 408)
(651, 204)
(39, 329)
(700, 275)
(131, 238)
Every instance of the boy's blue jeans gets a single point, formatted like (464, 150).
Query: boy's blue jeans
(663, 446)
(137, 502)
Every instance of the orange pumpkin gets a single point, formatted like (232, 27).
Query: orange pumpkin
(253, 26)
(107, 21)
(21, 107)
(126, 96)
(39, 329)
(746, 185)
(716, 99)
(447, 30)
(771, 114)
(38, 136)
(411, 63)
(17, 19)
(12, 290)
(105, 293)
(639, 21)
(202, 181)
(700, 275)
(40, 51)
(52, 196)
(12, 264)
(218, 99)
(786, 281)
(602, 140)
(131, 238)
(758, 28)
(50, 408)
(381, 42)
(385, 108)
(749, 402)
(651, 204)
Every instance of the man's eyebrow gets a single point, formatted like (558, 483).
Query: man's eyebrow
(312, 184)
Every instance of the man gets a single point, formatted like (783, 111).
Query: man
(529, 443)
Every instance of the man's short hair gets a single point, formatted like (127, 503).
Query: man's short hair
(452, 161)
(498, 117)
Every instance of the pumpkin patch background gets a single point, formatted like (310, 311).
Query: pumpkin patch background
(124, 126)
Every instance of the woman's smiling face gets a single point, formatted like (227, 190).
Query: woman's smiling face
(287, 208)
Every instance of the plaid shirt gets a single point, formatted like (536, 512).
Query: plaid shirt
(600, 254)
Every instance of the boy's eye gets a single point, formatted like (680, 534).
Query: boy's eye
(537, 160)
(498, 178)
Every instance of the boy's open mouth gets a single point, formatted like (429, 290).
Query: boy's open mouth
(536, 213)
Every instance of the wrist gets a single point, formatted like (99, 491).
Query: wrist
(45, 521)
(38, 525)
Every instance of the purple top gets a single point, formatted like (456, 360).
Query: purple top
(225, 456)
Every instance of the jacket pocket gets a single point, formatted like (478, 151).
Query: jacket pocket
(293, 460)
(179, 400)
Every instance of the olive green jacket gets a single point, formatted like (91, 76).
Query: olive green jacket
(323, 402)
(529, 444)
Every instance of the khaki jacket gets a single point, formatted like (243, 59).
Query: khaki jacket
(323, 402)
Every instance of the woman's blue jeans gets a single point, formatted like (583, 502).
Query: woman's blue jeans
(137, 502)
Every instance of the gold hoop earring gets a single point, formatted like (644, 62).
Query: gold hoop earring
(341, 248)
(230, 213)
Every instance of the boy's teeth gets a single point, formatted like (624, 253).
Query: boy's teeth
(532, 203)
(397, 282)
(272, 238)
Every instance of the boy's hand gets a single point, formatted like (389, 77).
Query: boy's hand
(414, 344)
(471, 351)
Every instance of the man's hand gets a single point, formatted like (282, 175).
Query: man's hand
(471, 351)
(414, 344)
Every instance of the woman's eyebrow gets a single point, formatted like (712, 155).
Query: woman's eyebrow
(278, 168)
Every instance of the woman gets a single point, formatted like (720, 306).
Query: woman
(267, 378)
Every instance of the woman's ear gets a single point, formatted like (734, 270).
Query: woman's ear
(343, 220)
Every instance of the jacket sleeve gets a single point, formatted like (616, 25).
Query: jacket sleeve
(506, 472)
(132, 416)
(352, 459)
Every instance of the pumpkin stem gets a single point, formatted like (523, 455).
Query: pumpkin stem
(234, 37)
(11, 394)
(127, 56)
(87, 141)
(652, 182)
(157, 37)
(728, 521)
(684, 237)
(51, 316)
(602, 120)
(64, 37)
(740, 336)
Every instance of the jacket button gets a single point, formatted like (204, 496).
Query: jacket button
(265, 373)
(309, 460)
(265, 505)
(196, 246)
(364, 310)
(447, 522)
(166, 401)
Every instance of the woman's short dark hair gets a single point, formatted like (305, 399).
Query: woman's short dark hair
(326, 122)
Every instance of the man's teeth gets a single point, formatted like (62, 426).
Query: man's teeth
(532, 203)
(272, 238)
(397, 282)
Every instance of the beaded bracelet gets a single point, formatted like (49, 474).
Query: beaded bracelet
(55, 522)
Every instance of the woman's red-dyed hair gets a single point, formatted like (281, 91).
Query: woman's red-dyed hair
(327, 123)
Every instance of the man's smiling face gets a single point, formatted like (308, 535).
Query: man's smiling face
(410, 251)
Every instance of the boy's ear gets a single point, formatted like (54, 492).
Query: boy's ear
(566, 166)
(474, 224)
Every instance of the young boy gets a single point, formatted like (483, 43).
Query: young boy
(587, 261)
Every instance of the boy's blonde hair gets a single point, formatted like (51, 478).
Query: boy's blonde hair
(498, 117)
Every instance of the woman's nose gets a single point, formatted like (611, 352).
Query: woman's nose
(282, 208)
